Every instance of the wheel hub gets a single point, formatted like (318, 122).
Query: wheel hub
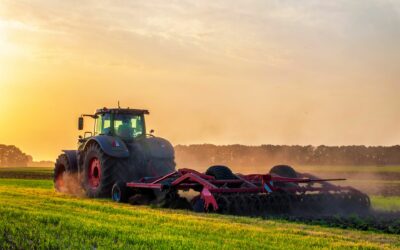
(94, 172)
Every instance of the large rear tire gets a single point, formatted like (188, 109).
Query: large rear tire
(99, 173)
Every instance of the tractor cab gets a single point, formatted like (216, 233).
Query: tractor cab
(128, 124)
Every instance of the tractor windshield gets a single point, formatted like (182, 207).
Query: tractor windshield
(128, 126)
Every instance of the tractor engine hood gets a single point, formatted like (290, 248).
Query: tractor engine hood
(158, 148)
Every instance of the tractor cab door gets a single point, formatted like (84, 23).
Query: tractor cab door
(103, 125)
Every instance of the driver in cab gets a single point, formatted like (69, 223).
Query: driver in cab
(125, 130)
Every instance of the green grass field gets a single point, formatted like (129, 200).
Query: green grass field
(381, 203)
(32, 215)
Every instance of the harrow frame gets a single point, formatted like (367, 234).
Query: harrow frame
(209, 187)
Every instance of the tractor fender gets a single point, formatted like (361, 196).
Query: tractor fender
(72, 159)
(112, 146)
(159, 148)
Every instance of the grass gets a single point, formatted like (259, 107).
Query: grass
(32, 215)
(26, 169)
(391, 203)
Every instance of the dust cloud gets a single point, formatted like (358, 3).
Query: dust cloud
(70, 183)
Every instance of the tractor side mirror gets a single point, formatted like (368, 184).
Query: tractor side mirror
(80, 123)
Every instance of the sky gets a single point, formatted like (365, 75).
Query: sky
(222, 72)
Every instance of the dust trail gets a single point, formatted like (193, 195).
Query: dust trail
(371, 182)
(70, 183)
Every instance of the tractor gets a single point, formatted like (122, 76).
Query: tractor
(118, 149)
(120, 160)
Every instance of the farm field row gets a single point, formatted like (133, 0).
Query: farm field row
(26, 172)
(32, 214)
(381, 203)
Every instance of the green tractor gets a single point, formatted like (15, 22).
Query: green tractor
(118, 150)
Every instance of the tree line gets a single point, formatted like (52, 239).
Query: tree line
(10, 155)
(240, 155)
(201, 155)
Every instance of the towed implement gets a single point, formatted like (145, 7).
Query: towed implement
(120, 158)
(221, 191)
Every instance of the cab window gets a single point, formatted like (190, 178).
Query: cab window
(103, 124)
(128, 126)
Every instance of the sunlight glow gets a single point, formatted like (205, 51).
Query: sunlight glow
(253, 72)
(5, 46)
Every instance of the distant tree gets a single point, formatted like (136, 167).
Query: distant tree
(201, 156)
(10, 155)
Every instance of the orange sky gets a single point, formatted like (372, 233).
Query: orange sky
(250, 72)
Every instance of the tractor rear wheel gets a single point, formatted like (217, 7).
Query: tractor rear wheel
(61, 168)
(220, 172)
(99, 172)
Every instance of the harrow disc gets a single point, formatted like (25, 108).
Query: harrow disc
(253, 204)
(285, 203)
(224, 204)
(332, 203)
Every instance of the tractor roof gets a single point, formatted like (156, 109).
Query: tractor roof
(122, 111)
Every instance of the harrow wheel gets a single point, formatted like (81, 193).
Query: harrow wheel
(220, 172)
(284, 171)
(120, 192)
